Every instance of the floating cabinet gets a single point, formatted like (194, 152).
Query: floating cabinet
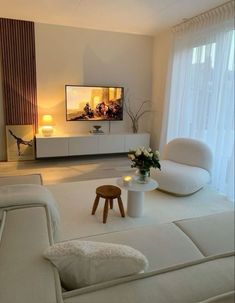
(77, 145)
(83, 146)
(109, 144)
(51, 147)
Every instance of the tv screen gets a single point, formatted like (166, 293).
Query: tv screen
(91, 103)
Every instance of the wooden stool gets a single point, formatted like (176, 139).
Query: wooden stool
(108, 192)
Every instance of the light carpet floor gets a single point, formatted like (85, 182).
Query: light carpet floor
(75, 202)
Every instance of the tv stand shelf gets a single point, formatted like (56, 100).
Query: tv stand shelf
(88, 144)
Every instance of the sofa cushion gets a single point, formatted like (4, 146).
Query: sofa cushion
(82, 263)
(180, 179)
(182, 284)
(25, 276)
(213, 234)
(228, 297)
(164, 244)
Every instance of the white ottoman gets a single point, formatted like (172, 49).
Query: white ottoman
(180, 179)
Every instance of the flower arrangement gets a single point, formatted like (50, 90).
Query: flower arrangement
(144, 159)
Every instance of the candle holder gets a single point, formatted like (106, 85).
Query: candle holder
(127, 180)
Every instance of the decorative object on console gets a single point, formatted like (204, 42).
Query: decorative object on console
(96, 130)
(86, 103)
(135, 116)
(83, 263)
(144, 159)
(47, 125)
(20, 142)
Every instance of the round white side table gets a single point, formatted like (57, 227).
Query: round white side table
(135, 199)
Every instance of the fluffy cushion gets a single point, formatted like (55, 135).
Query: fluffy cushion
(82, 263)
(180, 179)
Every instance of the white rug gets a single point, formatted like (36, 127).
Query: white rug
(75, 202)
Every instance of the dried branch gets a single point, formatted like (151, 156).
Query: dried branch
(142, 104)
(144, 112)
(135, 116)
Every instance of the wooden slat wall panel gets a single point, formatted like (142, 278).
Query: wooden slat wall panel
(18, 66)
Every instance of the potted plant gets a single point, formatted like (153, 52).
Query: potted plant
(143, 159)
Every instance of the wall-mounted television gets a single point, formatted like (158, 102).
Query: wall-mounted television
(92, 103)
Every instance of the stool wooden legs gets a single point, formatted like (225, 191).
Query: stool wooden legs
(96, 202)
(108, 202)
(121, 208)
(111, 203)
(106, 209)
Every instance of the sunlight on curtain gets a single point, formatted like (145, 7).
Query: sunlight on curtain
(201, 98)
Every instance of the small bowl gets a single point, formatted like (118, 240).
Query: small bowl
(96, 127)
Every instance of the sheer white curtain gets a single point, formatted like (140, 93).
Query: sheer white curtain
(201, 92)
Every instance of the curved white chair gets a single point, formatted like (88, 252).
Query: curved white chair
(185, 168)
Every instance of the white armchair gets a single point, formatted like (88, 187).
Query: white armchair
(185, 168)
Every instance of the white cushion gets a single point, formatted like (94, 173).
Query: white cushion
(190, 152)
(185, 284)
(180, 179)
(164, 245)
(213, 234)
(82, 263)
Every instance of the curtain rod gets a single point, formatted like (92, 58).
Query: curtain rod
(185, 20)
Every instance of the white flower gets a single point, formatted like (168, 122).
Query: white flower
(149, 150)
(146, 153)
(138, 152)
(131, 157)
(157, 154)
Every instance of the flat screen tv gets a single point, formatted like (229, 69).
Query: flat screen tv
(92, 103)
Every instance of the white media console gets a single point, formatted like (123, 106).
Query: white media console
(76, 145)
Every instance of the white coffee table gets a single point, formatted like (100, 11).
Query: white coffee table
(135, 200)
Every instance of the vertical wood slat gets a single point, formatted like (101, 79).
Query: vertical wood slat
(18, 67)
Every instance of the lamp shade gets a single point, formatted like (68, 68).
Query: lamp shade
(47, 120)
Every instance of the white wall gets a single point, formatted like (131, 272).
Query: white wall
(161, 59)
(67, 55)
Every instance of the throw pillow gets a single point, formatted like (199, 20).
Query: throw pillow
(83, 263)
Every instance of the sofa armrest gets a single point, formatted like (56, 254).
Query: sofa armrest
(25, 179)
(25, 276)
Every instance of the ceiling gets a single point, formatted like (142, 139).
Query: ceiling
(132, 16)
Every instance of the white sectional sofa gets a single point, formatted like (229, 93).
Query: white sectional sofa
(190, 261)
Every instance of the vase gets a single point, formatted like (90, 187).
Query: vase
(135, 126)
(142, 175)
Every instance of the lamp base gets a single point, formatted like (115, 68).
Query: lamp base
(47, 131)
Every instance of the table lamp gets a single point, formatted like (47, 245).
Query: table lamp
(47, 125)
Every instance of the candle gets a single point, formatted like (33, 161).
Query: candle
(127, 180)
